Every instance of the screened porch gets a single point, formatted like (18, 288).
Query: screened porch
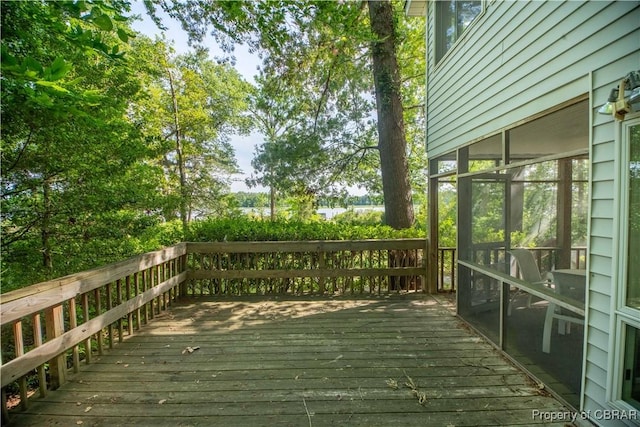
(519, 199)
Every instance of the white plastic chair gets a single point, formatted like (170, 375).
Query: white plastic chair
(565, 284)
(529, 272)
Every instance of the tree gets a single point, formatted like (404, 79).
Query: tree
(392, 143)
(321, 49)
(69, 154)
(193, 106)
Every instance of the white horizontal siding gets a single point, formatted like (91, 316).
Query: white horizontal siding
(600, 283)
(602, 246)
(604, 172)
(603, 152)
(600, 209)
(520, 58)
(599, 378)
(599, 340)
(603, 233)
(599, 311)
(601, 227)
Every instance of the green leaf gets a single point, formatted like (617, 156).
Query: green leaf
(92, 96)
(82, 6)
(8, 59)
(122, 35)
(33, 65)
(52, 85)
(44, 99)
(103, 22)
(59, 68)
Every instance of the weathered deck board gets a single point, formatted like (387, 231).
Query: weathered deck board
(303, 362)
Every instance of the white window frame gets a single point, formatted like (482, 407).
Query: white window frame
(623, 315)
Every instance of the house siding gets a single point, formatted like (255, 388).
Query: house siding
(517, 60)
(527, 56)
(604, 243)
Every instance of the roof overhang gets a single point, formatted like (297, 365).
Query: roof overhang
(415, 8)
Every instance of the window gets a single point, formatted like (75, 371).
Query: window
(452, 19)
(631, 373)
(633, 223)
(625, 390)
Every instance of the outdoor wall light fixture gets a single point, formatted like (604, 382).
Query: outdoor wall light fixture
(622, 98)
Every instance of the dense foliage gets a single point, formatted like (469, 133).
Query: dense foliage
(105, 134)
(112, 144)
(241, 229)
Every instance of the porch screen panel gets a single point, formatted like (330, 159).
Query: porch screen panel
(547, 340)
(488, 220)
(479, 301)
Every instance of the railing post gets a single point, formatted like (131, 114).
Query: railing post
(54, 326)
(183, 267)
(425, 263)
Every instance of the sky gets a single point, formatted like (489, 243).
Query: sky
(246, 64)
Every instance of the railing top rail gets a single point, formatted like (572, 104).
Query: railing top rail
(47, 294)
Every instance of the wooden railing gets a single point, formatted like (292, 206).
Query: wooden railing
(492, 254)
(87, 312)
(311, 267)
(447, 269)
(82, 314)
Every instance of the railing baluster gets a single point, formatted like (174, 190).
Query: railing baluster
(159, 298)
(86, 315)
(73, 323)
(18, 343)
(128, 297)
(145, 307)
(98, 310)
(37, 342)
(109, 307)
(119, 302)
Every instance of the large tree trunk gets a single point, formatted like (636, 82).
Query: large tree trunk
(392, 144)
(47, 258)
(180, 156)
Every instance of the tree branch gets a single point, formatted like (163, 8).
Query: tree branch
(22, 150)
(413, 107)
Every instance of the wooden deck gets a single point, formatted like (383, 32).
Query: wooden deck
(398, 360)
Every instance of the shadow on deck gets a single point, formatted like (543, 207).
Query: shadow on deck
(309, 361)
